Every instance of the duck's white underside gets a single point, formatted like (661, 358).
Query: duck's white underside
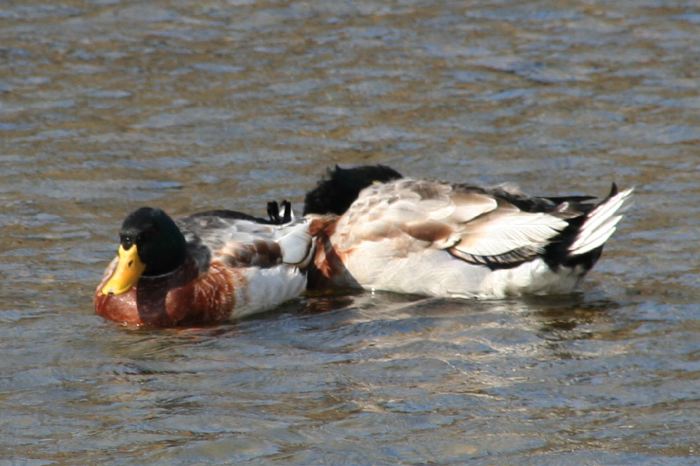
(263, 289)
(435, 272)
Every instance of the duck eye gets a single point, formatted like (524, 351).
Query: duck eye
(126, 241)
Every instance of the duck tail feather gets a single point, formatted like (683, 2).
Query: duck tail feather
(601, 222)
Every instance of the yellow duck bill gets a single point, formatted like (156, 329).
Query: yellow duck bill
(128, 271)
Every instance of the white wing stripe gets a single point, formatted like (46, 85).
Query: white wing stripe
(505, 233)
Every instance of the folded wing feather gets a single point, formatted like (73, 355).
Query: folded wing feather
(506, 230)
(472, 225)
(296, 245)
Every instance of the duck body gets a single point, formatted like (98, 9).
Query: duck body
(206, 268)
(452, 240)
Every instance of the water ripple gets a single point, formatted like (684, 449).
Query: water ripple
(107, 105)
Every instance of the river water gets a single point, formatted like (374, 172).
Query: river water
(107, 105)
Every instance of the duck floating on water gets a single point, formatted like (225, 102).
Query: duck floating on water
(206, 268)
(366, 227)
(440, 239)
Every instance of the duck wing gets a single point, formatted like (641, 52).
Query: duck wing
(240, 242)
(496, 227)
(506, 236)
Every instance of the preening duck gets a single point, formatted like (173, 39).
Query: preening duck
(206, 268)
(453, 240)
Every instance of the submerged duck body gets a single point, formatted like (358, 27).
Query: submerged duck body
(206, 268)
(453, 240)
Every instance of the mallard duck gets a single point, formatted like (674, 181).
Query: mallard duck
(454, 240)
(209, 267)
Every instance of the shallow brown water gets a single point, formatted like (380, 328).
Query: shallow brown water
(107, 105)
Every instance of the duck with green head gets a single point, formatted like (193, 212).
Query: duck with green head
(206, 268)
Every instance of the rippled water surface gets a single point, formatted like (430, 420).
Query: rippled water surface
(106, 105)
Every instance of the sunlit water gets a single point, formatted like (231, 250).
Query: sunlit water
(107, 105)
